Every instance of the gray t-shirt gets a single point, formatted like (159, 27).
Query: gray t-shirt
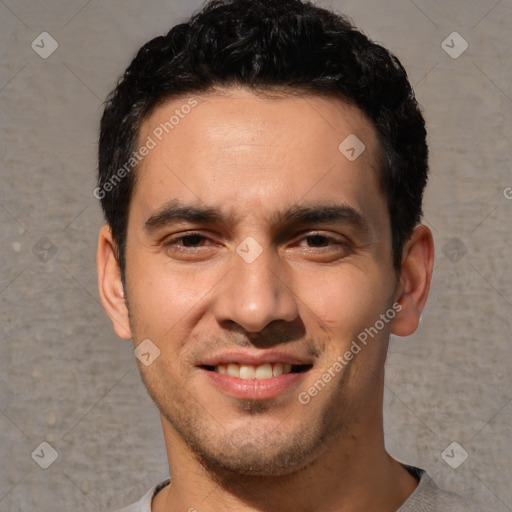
(427, 497)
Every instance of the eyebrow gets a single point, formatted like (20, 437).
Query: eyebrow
(175, 211)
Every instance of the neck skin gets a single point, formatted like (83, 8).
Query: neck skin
(354, 473)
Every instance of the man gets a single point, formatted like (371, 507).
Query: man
(261, 171)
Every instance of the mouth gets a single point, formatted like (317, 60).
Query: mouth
(260, 372)
(255, 376)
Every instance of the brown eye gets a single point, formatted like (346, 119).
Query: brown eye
(191, 240)
(187, 241)
(317, 240)
(320, 241)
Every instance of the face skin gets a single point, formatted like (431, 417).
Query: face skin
(316, 285)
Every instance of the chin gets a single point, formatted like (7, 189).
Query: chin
(258, 452)
(252, 462)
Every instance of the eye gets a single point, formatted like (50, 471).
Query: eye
(317, 240)
(190, 241)
(320, 241)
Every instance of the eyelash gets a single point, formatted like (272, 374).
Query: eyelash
(172, 242)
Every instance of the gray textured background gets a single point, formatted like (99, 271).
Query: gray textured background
(66, 379)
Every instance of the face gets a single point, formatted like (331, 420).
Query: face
(257, 253)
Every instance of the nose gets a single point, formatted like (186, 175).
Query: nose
(254, 294)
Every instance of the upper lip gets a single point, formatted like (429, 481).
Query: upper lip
(255, 359)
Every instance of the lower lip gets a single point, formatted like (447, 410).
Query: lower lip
(254, 389)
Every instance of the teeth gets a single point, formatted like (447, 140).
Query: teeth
(264, 371)
(277, 369)
(233, 370)
(248, 371)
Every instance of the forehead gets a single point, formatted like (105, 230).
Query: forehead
(233, 149)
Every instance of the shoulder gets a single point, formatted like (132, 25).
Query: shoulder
(453, 502)
(144, 505)
(428, 497)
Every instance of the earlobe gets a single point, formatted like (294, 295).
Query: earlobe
(110, 285)
(415, 279)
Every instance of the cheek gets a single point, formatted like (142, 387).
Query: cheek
(343, 301)
(163, 298)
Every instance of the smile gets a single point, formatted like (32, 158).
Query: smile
(260, 372)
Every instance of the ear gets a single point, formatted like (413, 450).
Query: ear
(110, 284)
(415, 277)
